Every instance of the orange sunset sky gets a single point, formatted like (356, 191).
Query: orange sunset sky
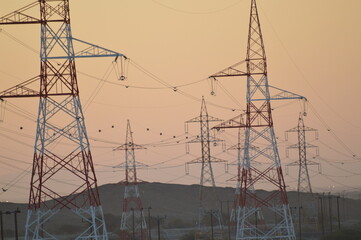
(313, 49)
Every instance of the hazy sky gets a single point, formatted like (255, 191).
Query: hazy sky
(313, 49)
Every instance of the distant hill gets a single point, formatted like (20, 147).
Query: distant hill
(180, 204)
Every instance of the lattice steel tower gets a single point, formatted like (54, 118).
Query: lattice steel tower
(62, 147)
(304, 183)
(237, 178)
(132, 223)
(236, 121)
(207, 201)
(261, 166)
(232, 123)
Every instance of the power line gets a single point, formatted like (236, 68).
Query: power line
(338, 167)
(98, 88)
(153, 76)
(333, 134)
(304, 78)
(196, 13)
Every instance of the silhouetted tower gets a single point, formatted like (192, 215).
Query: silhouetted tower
(62, 149)
(261, 166)
(239, 147)
(207, 201)
(132, 223)
(304, 183)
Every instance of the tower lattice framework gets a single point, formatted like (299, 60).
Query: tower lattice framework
(208, 200)
(132, 223)
(304, 183)
(231, 123)
(261, 165)
(62, 148)
(239, 147)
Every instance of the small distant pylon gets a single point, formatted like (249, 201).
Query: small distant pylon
(236, 121)
(207, 203)
(304, 183)
(239, 147)
(132, 224)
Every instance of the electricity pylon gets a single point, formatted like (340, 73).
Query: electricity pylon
(304, 183)
(62, 148)
(132, 223)
(261, 165)
(239, 148)
(207, 202)
(236, 121)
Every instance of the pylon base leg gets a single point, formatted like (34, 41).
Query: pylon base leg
(37, 221)
(95, 217)
(247, 230)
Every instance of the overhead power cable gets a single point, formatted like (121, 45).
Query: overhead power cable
(338, 167)
(176, 88)
(230, 95)
(303, 75)
(153, 76)
(98, 88)
(333, 134)
(196, 13)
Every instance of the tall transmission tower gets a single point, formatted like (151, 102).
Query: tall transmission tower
(132, 223)
(208, 202)
(62, 147)
(304, 183)
(261, 165)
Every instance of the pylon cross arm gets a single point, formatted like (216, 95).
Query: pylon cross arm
(25, 89)
(236, 122)
(281, 95)
(127, 147)
(231, 71)
(93, 50)
(23, 15)
(19, 17)
(214, 159)
(296, 146)
(89, 51)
